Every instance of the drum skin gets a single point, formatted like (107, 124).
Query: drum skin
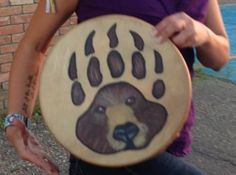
(111, 95)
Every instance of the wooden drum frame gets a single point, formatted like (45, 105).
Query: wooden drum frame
(111, 95)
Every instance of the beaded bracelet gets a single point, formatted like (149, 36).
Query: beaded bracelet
(11, 120)
(50, 6)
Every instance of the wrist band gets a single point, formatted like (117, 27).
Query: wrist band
(50, 6)
(11, 118)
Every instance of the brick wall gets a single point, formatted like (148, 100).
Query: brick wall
(14, 18)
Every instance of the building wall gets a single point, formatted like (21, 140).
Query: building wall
(14, 19)
(15, 16)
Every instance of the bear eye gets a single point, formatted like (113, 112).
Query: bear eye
(100, 109)
(130, 100)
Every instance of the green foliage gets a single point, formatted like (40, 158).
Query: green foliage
(2, 116)
(199, 75)
(37, 114)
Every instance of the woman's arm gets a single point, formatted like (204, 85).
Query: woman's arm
(209, 39)
(214, 52)
(30, 55)
(24, 76)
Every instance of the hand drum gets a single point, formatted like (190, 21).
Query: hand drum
(111, 95)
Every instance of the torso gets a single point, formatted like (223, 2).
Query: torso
(152, 11)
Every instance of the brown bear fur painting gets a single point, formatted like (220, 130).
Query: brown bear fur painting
(120, 118)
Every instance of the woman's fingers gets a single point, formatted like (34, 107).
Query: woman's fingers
(170, 26)
(29, 149)
(42, 162)
(39, 157)
(53, 169)
(182, 30)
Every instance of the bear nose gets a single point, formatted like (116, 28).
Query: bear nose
(126, 132)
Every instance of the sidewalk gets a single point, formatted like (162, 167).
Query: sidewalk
(227, 1)
(214, 147)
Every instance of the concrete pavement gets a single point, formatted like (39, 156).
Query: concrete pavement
(214, 147)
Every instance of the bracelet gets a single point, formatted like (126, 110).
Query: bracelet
(11, 119)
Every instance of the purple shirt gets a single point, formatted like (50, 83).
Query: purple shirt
(153, 11)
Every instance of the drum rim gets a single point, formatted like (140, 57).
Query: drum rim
(156, 152)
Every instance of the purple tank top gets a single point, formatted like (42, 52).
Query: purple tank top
(153, 11)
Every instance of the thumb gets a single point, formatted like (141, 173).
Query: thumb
(40, 160)
(21, 139)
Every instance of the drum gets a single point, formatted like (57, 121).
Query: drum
(111, 95)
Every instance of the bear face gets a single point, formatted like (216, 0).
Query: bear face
(120, 118)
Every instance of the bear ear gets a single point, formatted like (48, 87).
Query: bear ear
(72, 70)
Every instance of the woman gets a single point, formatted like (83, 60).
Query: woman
(188, 23)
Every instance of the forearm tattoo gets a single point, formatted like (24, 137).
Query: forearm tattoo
(30, 91)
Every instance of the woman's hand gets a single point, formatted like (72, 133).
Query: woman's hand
(183, 30)
(29, 149)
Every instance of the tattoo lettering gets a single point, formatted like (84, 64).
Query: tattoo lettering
(25, 107)
(30, 90)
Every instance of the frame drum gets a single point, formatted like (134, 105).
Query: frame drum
(111, 95)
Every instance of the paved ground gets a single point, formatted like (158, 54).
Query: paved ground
(227, 1)
(214, 147)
